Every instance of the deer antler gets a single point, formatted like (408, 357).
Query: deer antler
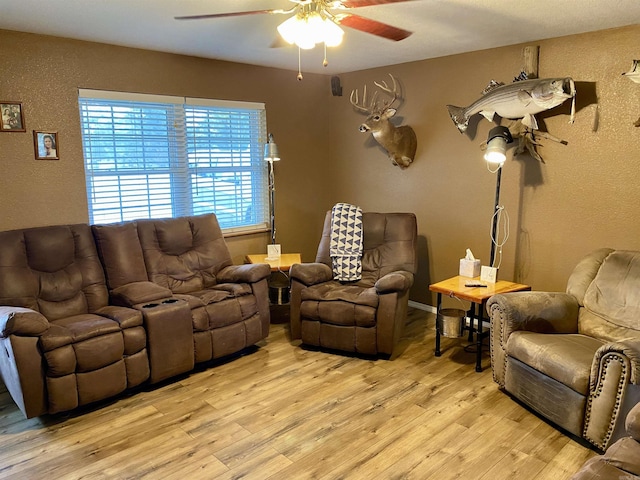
(372, 106)
(368, 109)
(393, 91)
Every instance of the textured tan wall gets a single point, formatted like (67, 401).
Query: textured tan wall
(583, 197)
(45, 73)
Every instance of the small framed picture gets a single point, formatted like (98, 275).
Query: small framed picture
(46, 145)
(12, 117)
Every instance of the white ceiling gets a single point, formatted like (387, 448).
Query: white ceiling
(442, 27)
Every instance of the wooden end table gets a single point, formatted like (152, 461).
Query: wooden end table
(478, 296)
(282, 264)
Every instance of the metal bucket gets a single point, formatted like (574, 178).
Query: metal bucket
(450, 322)
(279, 288)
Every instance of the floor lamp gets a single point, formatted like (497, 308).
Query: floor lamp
(495, 156)
(271, 155)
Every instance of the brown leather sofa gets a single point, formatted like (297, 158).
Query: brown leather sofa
(574, 357)
(621, 461)
(79, 324)
(366, 316)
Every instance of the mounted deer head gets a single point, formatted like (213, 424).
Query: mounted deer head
(399, 142)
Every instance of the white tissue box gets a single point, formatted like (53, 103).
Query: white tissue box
(469, 268)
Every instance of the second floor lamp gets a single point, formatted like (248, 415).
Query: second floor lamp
(271, 155)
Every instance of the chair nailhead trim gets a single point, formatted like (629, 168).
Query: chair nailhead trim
(608, 358)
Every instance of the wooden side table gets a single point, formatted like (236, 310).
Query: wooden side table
(478, 296)
(283, 263)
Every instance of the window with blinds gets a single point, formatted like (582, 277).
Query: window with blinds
(150, 156)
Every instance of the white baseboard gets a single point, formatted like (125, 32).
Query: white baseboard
(428, 308)
(422, 306)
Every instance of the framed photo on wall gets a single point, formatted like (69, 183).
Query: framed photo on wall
(46, 145)
(12, 117)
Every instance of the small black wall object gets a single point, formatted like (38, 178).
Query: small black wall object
(336, 89)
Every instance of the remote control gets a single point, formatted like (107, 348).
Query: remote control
(474, 284)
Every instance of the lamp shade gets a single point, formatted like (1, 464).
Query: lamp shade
(332, 33)
(497, 142)
(293, 31)
(271, 153)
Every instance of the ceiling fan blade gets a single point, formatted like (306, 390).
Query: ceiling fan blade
(368, 3)
(373, 27)
(222, 15)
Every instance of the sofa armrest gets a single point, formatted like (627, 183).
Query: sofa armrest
(21, 321)
(247, 273)
(138, 292)
(311, 273)
(170, 344)
(399, 281)
(22, 369)
(615, 365)
(629, 349)
(543, 312)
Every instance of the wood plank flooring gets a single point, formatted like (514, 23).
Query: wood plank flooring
(282, 411)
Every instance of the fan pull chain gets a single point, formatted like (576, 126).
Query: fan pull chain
(299, 66)
(325, 62)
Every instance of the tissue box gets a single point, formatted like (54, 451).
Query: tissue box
(469, 268)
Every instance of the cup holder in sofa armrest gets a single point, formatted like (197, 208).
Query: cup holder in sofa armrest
(163, 302)
(169, 330)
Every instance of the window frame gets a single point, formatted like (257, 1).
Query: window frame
(228, 153)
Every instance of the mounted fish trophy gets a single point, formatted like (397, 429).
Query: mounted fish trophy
(519, 101)
(399, 142)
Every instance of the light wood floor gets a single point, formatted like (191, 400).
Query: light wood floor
(285, 412)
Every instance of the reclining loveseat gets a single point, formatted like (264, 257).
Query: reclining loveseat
(184, 264)
(79, 324)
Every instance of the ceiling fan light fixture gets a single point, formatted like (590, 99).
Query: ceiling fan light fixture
(289, 29)
(310, 28)
(314, 27)
(295, 30)
(332, 33)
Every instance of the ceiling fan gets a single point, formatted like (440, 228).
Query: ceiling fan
(319, 21)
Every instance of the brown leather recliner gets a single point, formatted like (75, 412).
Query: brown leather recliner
(149, 263)
(62, 345)
(574, 357)
(366, 316)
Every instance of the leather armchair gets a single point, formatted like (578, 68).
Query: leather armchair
(574, 357)
(366, 316)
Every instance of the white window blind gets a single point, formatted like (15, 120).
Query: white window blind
(150, 156)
